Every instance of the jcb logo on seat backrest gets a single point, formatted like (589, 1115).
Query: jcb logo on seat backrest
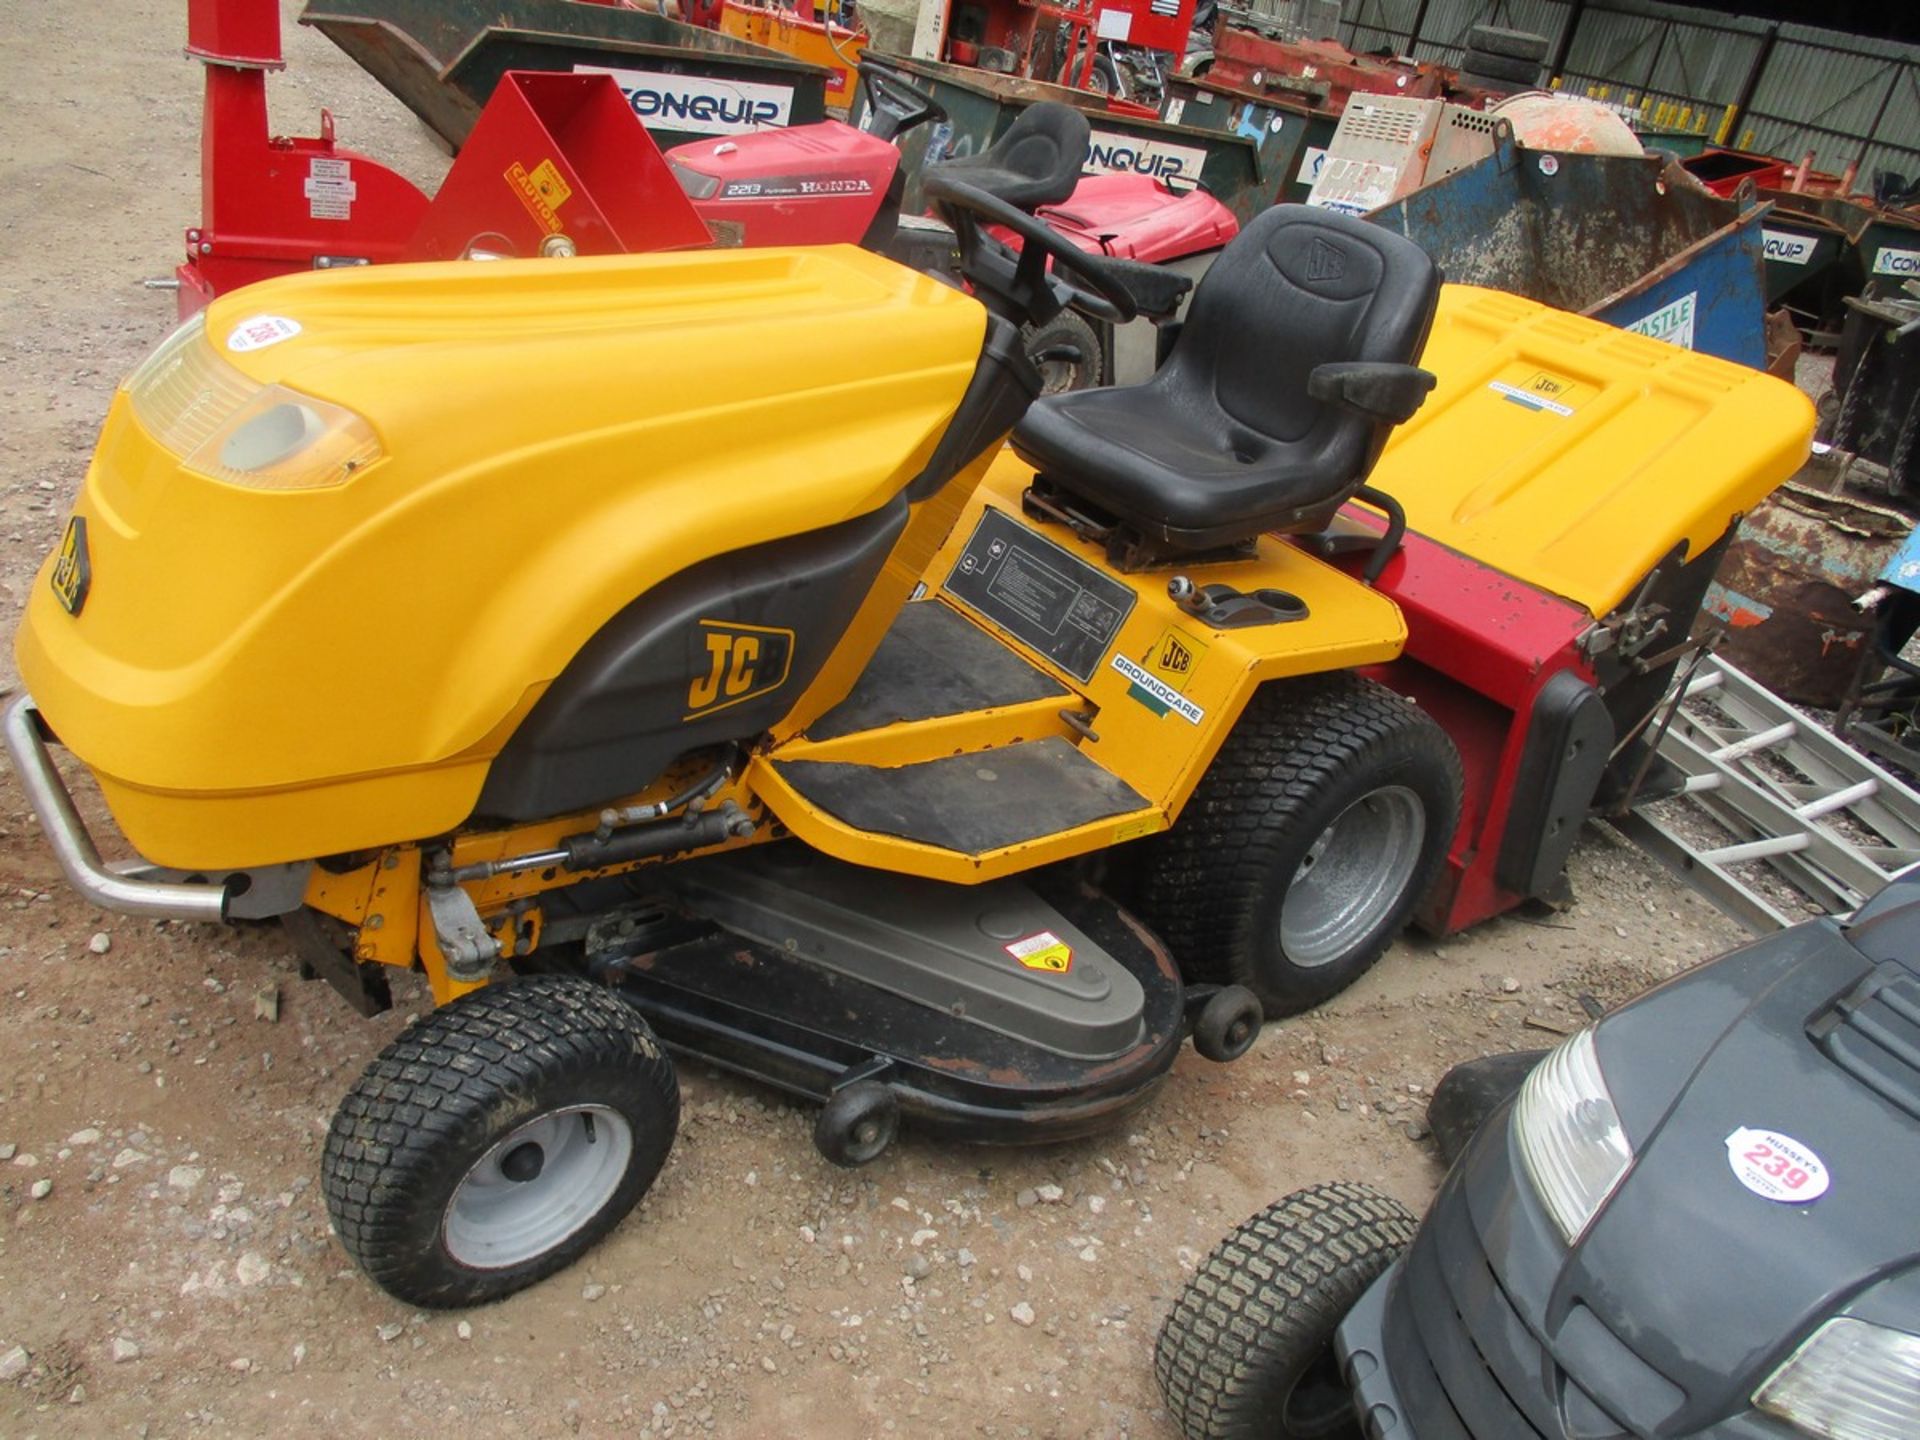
(741, 661)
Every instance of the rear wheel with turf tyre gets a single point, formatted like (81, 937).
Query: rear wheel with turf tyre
(1303, 852)
(498, 1139)
(1248, 1348)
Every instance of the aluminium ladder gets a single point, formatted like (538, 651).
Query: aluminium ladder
(1783, 792)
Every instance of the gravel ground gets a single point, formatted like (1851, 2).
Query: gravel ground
(169, 1268)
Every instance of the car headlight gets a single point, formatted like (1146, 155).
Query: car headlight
(1850, 1380)
(229, 427)
(1571, 1141)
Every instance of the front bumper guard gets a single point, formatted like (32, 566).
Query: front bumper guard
(112, 887)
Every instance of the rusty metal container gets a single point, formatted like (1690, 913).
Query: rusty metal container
(1787, 587)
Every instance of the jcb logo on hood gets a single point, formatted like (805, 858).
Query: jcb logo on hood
(740, 662)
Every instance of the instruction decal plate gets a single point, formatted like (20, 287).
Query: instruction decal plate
(330, 188)
(1776, 1167)
(1043, 951)
(1044, 597)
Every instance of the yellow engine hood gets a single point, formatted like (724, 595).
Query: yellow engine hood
(558, 437)
(1573, 455)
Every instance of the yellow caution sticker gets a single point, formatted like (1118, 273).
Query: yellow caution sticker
(542, 191)
(1043, 951)
(1176, 655)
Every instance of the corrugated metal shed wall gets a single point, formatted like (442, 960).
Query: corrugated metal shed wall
(1842, 96)
(1827, 92)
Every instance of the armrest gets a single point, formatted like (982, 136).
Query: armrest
(1375, 389)
(1157, 291)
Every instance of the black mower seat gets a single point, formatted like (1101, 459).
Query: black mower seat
(1292, 368)
(1037, 161)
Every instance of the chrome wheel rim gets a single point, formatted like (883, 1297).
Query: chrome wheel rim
(1352, 876)
(538, 1186)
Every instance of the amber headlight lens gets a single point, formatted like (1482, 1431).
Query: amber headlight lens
(231, 428)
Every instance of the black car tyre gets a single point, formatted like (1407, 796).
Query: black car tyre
(1248, 1347)
(1499, 67)
(1067, 353)
(1306, 846)
(498, 1139)
(1470, 1092)
(1517, 44)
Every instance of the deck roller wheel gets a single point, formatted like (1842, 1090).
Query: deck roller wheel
(857, 1124)
(1227, 1024)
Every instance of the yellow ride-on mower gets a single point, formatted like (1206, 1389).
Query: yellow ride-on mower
(665, 646)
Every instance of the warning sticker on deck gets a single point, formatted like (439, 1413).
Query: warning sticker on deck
(330, 189)
(1044, 951)
(1775, 1166)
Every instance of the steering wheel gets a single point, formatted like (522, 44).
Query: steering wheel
(1092, 287)
(906, 103)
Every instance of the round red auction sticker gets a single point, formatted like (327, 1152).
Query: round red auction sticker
(1776, 1166)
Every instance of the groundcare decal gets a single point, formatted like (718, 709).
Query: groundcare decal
(707, 104)
(1897, 262)
(1154, 693)
(1671, 323)
(1787, 249)
(1137, 155)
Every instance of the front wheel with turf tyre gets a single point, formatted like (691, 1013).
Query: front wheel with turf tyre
(1248, 1348)
(498, 1139)
(1305, 848)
